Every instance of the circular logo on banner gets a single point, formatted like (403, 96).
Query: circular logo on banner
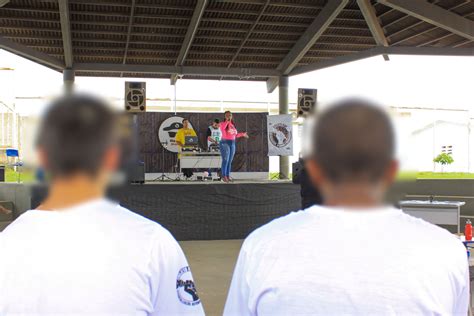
(280, 135)
(186, 289)
(168, 130)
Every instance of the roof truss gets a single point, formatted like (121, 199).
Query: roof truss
(31, 54)
(435, 15)
(66, 32)
(373, 23)
(189, 37)
(309, 38)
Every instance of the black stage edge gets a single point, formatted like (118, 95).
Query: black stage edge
(207, 211)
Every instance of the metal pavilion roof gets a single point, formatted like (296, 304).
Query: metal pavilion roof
(228, 39)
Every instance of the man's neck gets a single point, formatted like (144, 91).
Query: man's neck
(355, 196)
(67, 192)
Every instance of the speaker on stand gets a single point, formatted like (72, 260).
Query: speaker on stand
(135, 102)
(307, 99)
(135, 96)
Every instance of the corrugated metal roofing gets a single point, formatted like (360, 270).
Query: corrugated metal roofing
(99, 31)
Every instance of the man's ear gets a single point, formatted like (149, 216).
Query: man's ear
(314, 171)
(43, 159)
(392, 172)
(112, 159)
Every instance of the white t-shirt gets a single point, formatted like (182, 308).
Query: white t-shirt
(96, 258)
(327, 261)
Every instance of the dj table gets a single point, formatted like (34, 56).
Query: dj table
(200, 160)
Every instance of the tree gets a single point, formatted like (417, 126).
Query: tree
(443, 159)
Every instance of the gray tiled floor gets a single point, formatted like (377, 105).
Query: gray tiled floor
(212, 263)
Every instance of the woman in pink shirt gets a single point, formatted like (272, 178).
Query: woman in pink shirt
(227, 144)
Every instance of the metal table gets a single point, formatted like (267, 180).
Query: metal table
(435, 212)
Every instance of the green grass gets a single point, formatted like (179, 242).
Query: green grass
(444, 175)
(12, 176)
(413, 175)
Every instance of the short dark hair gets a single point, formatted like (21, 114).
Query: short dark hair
(185, 119)
(353, 140)
(217, 121)
(75, 133)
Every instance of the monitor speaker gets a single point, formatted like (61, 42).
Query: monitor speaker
(136, 173)
(2, 174)
(297, 168)
(307, 99)
(135, 96)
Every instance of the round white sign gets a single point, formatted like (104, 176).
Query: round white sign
(168, 130)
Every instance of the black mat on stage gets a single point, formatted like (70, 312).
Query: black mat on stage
(205, 211)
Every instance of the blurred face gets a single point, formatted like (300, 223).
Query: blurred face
(186, 124)
(109, 164)
(215, 125)
(228, 116)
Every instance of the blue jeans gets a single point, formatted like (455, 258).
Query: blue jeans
(227, 148)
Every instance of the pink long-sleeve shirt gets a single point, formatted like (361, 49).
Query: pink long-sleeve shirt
(229, 132)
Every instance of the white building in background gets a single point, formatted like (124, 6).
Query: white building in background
(425, 133)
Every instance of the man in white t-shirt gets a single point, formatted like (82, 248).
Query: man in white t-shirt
(79, 253)
(354, 255)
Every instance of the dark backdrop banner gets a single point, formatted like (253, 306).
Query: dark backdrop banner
(251, 155)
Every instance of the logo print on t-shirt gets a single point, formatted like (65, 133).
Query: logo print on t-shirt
(186, 289)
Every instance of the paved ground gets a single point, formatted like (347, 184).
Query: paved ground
(212, 263)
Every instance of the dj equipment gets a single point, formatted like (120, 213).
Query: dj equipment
(190, 141)
(307, 99)
(135, 96)
(213, 148)
(200, 160)
(191, 149)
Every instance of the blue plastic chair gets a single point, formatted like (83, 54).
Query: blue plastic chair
(14, 153)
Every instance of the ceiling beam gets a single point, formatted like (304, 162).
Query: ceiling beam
(434, 15)
(272, 83)
(429, 51)
(312, 34)
(309, 37)
(129, 33)
(184, 70)
(31, 54)
(370, 16)
(64, 17)
(190, 35)
(380, 50)
(3, 2)
(339, 60)
(249, 32)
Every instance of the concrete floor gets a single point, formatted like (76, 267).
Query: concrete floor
(212, 264)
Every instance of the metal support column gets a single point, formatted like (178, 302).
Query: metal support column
(283, 109)
(68, 80)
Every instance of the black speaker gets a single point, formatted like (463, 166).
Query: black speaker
(135, 96)
(2, 174)
(297, 167)
(136, 173)
(307, 99)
